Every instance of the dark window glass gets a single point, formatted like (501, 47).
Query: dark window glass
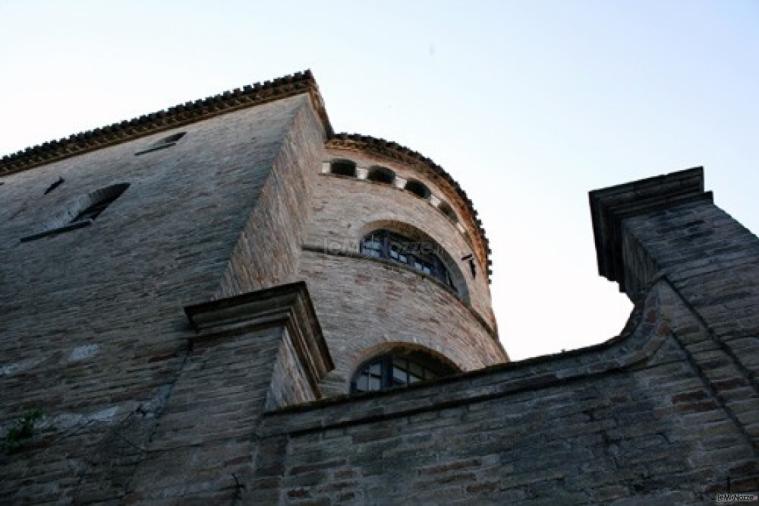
(343, 168)
(397, 370)
(381, 175)
(417, 255)
(449, 212)
(418, 189)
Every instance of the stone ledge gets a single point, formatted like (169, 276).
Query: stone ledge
(287, 305)
(610, 206)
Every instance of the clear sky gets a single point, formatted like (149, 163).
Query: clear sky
(529, 105)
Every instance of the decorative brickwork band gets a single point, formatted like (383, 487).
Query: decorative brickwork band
(182, 114)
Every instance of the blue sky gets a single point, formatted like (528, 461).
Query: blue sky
(529, 105)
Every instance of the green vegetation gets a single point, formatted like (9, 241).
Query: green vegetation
(22, 431)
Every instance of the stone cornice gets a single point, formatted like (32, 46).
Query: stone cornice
(182, 114)
(285, 305)
(402, 154)
(609, 207)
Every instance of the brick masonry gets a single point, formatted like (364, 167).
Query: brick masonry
(194, 343)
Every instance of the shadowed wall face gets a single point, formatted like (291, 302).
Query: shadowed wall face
(92, 329)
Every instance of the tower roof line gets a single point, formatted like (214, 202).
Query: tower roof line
(229, 101)
(166, 119)
(397, 152)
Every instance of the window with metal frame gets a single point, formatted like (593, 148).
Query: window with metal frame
(419, 255)
(397, 369)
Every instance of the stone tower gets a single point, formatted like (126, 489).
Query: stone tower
(396, 261)
(228, 303)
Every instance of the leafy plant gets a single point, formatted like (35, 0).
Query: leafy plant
(22, 431)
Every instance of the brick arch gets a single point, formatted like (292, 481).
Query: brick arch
(417, 234)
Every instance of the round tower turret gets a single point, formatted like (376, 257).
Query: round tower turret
(397, 266)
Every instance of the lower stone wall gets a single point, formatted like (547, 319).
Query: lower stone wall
(632, 421)
(637, 420)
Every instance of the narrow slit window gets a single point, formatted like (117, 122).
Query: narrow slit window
(163, 143)
(54, 185)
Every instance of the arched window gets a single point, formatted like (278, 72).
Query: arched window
(343, 168)
(448, 211)
(398, 369)
(99, 200)
(419, 255)
(82, 212)
(381, 175)
(417, 188)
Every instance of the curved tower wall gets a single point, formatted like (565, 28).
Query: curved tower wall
(367, 305)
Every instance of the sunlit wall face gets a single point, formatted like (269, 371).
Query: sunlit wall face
(527, 105)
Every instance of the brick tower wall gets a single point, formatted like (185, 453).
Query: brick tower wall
(367, 305)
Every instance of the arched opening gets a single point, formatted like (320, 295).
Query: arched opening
(418, 255)
(418, 188)
(374, 242)
(381, 175)
(448, 211)
(399, 367)
(343, 168)
(82, 212)
(98, 201)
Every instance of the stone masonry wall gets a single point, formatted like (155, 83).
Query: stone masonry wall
(269, 248)
(713, 263)
(366, 307)
(147, 400)
(344, 208)
(632, 421)
(201, 446)
(91, 324)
